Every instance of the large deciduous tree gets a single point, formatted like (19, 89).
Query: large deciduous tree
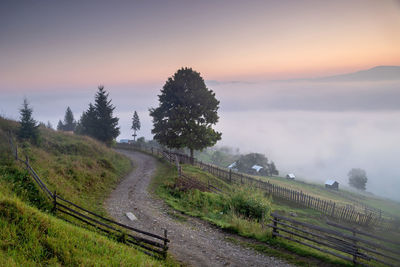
(358, 178)
(135, 124)
(28, 126)
(186, 113)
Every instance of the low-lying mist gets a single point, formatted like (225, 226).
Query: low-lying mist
(317, 130)
(317, 146)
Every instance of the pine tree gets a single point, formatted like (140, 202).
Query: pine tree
(60, 126)
(107, 126)
(186, 113)
(135, 124)
(28, 126)
(69, 121)
(49, 125)
(88, 122)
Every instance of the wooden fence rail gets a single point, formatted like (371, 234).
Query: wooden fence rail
(347, 213)
(149, 243)
(351, 247)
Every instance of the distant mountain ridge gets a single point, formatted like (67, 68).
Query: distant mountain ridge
(379, 73)
(375, 74)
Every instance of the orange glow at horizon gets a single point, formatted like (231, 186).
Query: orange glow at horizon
(269, 41)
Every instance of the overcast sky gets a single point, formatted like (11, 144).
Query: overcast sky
(56, 53)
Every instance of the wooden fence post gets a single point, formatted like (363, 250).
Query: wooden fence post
(26, 160)
(355, 248)
(55, 201)
(333, 209)
(165, 248)
(274, 229)
(230, 175)
(16, 152)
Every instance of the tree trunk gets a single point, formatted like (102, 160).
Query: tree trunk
(191, 156)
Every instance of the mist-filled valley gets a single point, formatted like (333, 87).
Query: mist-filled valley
(318, 129)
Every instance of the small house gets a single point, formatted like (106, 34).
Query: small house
(124, 141)
(332, 184)
(257, 168)
(233, 166)
(290, 176)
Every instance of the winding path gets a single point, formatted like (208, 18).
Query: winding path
(194, 241)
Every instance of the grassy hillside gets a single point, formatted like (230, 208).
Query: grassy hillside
(243, 210)
(79, 169)
(33, 238)
(234, 209)
(344, 196)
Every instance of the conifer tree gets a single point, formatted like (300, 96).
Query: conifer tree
(135, 124)
(186, 113)
(69, 121)
(107, 126)
(28, 126)
(60, 126)
(88, 122)
(49, 125)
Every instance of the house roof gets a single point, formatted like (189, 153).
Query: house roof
(291, 175)
(257, 167)
(233, 165)
(330, 182)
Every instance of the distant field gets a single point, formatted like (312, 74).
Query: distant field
(342, 196)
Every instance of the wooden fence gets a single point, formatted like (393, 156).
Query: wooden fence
(149, 243)
(356, 246)
(327, 207)
(184, 181)
(347, 213)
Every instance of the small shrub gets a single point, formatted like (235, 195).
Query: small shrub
(249, 204)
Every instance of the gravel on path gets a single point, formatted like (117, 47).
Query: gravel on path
(194, 242)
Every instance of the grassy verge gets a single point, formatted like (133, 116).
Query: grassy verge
(79, 169)
(231, 212)
(30, 237)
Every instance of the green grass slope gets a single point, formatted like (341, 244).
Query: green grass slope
(81, 170)
(29, 237)
(236, 210)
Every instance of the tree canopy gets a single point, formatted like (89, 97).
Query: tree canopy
(98, 121)
(246, 162)
(187, 110)
(28, 126)
(135, 124)
(358, 178)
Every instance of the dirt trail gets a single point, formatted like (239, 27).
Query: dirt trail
(194, 241)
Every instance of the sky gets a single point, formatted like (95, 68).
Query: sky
(261, 58)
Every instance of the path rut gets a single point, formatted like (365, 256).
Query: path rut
(194, 241)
